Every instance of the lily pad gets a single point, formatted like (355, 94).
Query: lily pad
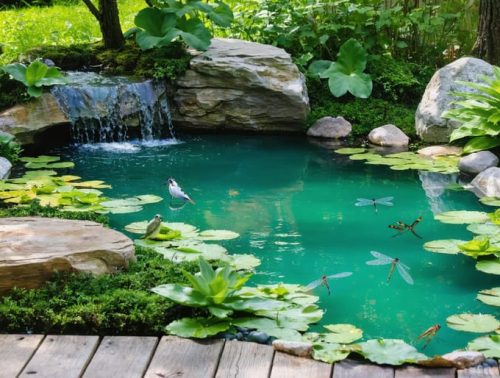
(269, 326)
(342, 333)
(148, 198)
(478, 323)
(199, 328)
(487, 345)
(96, 184)
(350, 151)
(484, 229)
(462, 217)
(390, 351)
(330, 353)
(242, 262)
(58, 165)
(40, 159)
(218, 235)
(490, 201)
(490, 296)
(491, 266)
(448, 246)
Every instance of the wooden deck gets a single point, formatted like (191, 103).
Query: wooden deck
(130, 357)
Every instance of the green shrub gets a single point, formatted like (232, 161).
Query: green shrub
(9, 149)
(120, 303)
(12, 92)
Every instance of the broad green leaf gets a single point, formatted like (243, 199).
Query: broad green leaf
(484, 228)
(35, 72)
(221, 15)
(96, 184)
(352, 56)
(148, 198)
(487, 345)
(199, 328)
(479, 246)
(448, 246)
(342, 333)
(195, 34)
(154, 21)
(40, 159)
(330, 353)
(490, 296)
(181, 294)
(317, 67)
(218, 235)
(241, 262)
(269, 326)
(349, 151)
(390, 351)
(490, 201)
(462, 217)
(479, 323)
(17, 71)
(491, 266)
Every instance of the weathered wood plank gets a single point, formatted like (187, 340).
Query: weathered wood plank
(15, 352)
(287, 366)
(177, 357)
(121, 356)
(245, 360)
(414, 372)
(61, 357)
(358, 369)
(489, 368)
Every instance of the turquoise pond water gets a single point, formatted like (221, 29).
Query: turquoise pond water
(293, 203)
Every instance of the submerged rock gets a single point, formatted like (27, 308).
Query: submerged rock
(5, 167)
(388, 135)
(477, 162)
(487, 183)
(437, 98)
(242, 85)
(443, 150)
(32, 248)
(330, 127)
(464, 358)
(296, 348)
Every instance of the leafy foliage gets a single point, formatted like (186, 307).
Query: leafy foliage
(160, 26)
(35, 76)
(9, 149)
(346, 73)
(11, 92)
(478, 115)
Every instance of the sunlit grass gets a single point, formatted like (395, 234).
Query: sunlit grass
(23, 29)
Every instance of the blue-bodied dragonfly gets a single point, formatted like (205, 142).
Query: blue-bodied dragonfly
(386, 201)
(324, 281)
(382, 259)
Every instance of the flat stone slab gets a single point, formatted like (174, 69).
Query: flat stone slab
(32, 248)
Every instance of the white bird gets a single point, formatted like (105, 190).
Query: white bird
(153, 228)
(176, 192)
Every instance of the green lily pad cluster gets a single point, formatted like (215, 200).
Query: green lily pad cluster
(487, 345)
(404, 160)
(46, 162)
(183, 242)
(282, 311)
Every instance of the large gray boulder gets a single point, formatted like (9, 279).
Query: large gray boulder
(32, 248)
(242, 86)
(5, 167)
(477, 162)
(388, 135)
(487, 183)
(330, 127)
(429, 124)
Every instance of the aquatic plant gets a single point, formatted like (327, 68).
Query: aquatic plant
(346, 73)
(477, 323)
(478, 114)
(9, 149)
(390, 351)
(487, 345)
(490, 296)
(34, 76)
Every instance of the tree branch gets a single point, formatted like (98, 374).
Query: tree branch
(93, 9)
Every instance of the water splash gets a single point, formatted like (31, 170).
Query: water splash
(114, 109)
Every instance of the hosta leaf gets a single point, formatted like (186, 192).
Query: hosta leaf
(487, 345)
(462, 217)
(491, 266)
(449, 246)
(490, 296)
(479, 323)
(197, 327)
(342, 333)
(390, 351)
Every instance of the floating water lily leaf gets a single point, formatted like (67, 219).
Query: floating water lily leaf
(118, 203)
(67, 178)
(448, 246)
(487, 345)
(199, 328)
(490, 296)
(40, 159)
(342, 333)
(297, 317)
(349, 151)
(122, 210)
(269, 326)
(363, 156)
(330, 353)
(97, 184)
(462, 217)
(242, 262)
(390, 351)
(484, 229)
(490, 201)
(491, 266)
(148, 198)
(187, 230)
(218, 235)
(58, 165)
(478, 323)
(32, 174)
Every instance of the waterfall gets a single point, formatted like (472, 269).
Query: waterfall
(114, 109)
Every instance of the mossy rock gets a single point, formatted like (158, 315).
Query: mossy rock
(75, 57)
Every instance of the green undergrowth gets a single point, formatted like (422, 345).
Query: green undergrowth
(35, 209)
(12, 92)
(109, 304)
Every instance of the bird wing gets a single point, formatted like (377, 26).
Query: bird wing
(404, 274)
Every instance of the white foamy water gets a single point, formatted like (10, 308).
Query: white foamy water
(129, 147)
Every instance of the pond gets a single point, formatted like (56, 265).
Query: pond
(292, 201)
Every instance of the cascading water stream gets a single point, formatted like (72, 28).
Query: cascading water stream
(114, 109)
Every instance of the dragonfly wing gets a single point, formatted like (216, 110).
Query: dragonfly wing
(387, 201)
(313, 284)
(379, 262)
(364, 202)
(340, 275)
(379, 255)
(404, 274)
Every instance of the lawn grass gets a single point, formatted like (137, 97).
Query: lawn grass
(26, 28)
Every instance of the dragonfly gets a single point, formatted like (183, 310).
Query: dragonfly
(402, 227)
(386, 201)
(429, 334)
(382, 259)
(324, 281)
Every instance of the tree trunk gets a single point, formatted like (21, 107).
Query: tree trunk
(109, 22)
(487, 44)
